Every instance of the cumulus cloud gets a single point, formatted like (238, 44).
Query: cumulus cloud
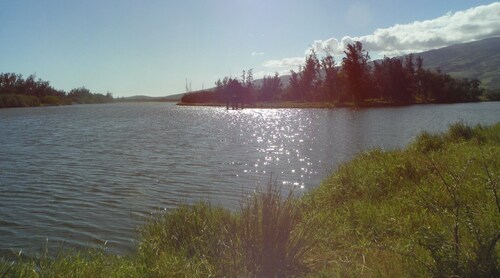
(284, 63)
(459, 27)
(261, 74)
(452, 28)
(256, 53)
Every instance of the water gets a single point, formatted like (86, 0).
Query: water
(88, 176)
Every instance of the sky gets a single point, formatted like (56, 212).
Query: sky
(151, 47)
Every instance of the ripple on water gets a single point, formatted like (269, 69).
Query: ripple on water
(80, 176)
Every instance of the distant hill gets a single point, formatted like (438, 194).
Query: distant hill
(479, 59)
(139, 98)
(142, 98)
(176, 97)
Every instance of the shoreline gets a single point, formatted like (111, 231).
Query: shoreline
(321, 105)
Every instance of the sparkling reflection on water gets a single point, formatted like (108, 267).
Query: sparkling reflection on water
(80, 176)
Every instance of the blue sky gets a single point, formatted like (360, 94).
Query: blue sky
(150, 47)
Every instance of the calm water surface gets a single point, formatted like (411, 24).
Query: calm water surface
(88, 175)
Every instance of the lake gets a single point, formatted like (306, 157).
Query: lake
(88, 175)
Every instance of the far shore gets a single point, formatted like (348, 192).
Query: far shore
(292, 104)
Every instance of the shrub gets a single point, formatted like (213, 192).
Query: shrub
(51, 100)
(460, 131)
(8, 100)
(493, 95)
(427, 142)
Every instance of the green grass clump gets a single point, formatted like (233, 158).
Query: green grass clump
(264, 239)
(429, 210)
(432, 209)
(273, 243)
(201, 238)
(91, 263)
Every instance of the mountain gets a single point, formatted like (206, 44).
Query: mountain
(479, 59)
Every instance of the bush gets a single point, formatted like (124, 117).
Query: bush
(460, 131)
(493, 95)
(8, 100)
(51, 100)
(427, 142)
(201, 97)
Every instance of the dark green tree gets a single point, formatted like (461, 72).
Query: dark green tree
(331, 80)
(271, 88)
(310, 81)
(294, 88)
(393, 81)
(356, 70)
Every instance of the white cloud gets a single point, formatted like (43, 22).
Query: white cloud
(459, 27)
(261, 74)
(463, 26)
(284, 63)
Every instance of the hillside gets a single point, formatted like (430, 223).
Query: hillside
(479, 59)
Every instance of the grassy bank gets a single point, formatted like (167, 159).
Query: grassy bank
(431, 209)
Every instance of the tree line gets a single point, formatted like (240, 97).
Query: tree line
(356, 80)
(16, 91)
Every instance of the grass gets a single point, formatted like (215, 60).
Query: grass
(428, 210)
(273, 242)
(431, 209)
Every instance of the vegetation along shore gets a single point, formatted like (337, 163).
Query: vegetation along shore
(430, 209)
(356, 81)
(17, 91)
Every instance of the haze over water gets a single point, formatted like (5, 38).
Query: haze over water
(87, 176)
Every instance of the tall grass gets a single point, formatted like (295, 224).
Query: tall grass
(203, 237)
(429, 210)
(264, 239)
(273, 242)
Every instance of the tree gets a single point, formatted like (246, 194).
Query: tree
(309, 77)
(393, 80)
(330, 84)
(248, 84)
(234, 93)
(271, 88)
(294, 89)
(355, 67)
